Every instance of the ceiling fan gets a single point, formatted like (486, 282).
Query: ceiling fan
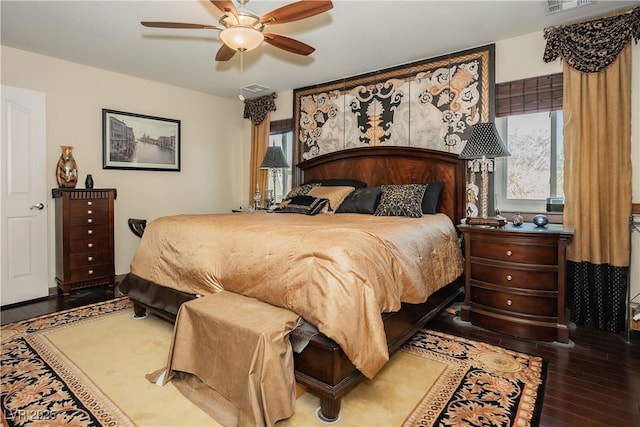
(242, 30)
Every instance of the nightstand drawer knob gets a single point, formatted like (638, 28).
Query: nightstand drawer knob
(90, 271)
(89, 221)
(509, 253)
(89, 245)
(509, 277)
(89, 212)
(90, 258)
(509, 302)
(89, 231)
(89, 203)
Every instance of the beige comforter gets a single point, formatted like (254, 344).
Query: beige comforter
(337, 271)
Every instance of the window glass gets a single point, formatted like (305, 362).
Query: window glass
(284, 140)
(534, 171)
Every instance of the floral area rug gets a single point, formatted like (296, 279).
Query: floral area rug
(40, 385)
(483, 385)
(475, 384)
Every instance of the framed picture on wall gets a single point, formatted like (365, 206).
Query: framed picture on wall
(135, 141)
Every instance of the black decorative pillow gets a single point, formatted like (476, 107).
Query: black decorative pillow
(307, 205)
(401, 200)
(362, 200)
(338, 182)
(431, 199)
(301, 190)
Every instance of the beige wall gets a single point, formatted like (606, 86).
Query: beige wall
(211, 129)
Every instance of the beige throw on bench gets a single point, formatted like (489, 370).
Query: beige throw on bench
(231, 356)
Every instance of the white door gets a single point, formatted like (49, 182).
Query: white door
(23, 203)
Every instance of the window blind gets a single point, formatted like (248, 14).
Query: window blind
(532, 95)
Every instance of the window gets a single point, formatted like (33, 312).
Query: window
(529, 120)
(281, 135)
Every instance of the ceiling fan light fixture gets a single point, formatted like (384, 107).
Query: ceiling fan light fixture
(241, 38)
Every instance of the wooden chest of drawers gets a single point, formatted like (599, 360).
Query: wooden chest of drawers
(515, 280)
(84, 238)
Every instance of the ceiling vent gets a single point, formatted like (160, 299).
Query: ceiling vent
(556, 6)
(253, 91)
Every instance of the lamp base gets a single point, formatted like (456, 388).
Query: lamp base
(491, 221)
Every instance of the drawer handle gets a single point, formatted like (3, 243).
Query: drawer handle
(90, 258)
(509, 277)
(90, 271)
(509, 253)
(89, 212)
(89, 221)
(89, 245)
(89, 203)
(89, 231)
(509, 302)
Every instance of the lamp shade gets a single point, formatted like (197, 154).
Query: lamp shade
(274, 159)
(484, 141)
(241, 38)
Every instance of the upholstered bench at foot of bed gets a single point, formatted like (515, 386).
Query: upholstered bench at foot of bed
(231, 355)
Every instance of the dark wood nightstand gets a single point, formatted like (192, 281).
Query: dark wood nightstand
(515, 280)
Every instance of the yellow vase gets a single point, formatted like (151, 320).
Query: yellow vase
(67, 173)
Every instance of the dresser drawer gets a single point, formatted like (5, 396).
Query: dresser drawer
(87, 273)
(505, 249)
(89, 217)
(82, 232)
(507, 274)
(89, 244)
(79, 205)
(85, 259)
(540, 305)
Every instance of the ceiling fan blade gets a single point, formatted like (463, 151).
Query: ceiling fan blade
(225, 53)
(299, 10)
(288, 44)
(225, 6)
(157, 24)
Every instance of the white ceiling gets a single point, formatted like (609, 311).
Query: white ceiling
(354, 37)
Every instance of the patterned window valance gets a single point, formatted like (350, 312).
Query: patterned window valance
(591, 46)
(256, 109)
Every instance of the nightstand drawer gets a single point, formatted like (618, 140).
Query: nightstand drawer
(539, 305)
(505, 249)
(505, 274)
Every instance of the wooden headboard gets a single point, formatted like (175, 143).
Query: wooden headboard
(394, 165)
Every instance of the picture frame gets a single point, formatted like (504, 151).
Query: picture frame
(140, 142)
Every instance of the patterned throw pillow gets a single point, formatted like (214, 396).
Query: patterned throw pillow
(401, 200)
(301, 190)
(335, 194)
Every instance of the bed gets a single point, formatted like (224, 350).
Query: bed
(328, 367)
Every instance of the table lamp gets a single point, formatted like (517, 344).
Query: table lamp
(483, 146)
(274, 161)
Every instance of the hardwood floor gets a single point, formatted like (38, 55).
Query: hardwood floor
(593, 382)
(54, 303)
